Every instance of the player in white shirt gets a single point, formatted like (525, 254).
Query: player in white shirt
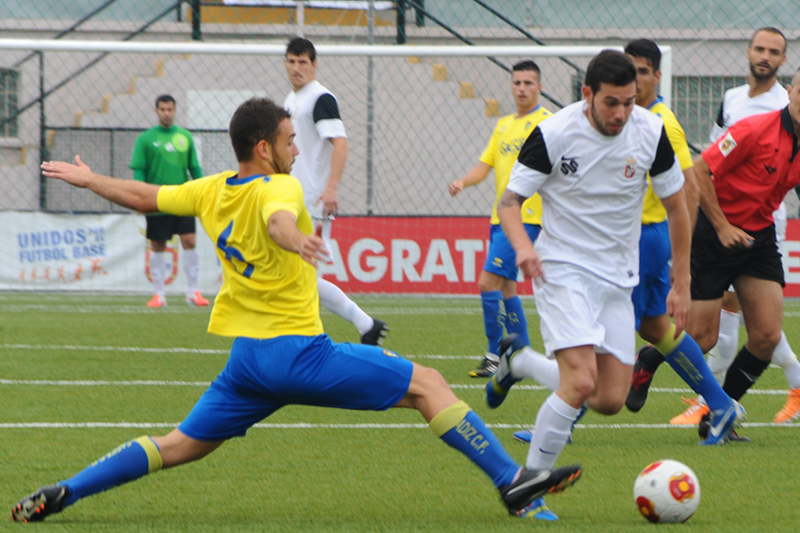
(762, 94)
(589, 162)
(322, 141)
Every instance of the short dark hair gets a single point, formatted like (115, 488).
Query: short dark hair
(768, 29)
(255, 120)
(645, 49)
(610, 66)
(527, 65)
(165, 98)
(301, 47)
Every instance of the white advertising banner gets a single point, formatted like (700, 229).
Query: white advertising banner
(93, 253)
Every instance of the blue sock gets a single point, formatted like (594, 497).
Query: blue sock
(686, 358)
(515, 319)
(463, 430)
(493, 319)
(128, 462)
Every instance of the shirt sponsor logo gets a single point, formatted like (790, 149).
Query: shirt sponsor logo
(726, 144)
(769, 169)
(569, 165)
(630, 167)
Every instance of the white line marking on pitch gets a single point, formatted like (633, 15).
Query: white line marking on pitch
(303, 425)
(164, 383)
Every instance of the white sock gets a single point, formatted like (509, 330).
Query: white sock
(334, 300)
(551, 433)
(784, 357)
(158, 270)
(534, 365)
(191, 264)
(724, 352)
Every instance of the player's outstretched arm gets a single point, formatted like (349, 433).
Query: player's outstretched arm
(476, 175)
(679, 300)
(282, 227)
(142, 197)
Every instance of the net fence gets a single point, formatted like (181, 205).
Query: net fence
(430, 118)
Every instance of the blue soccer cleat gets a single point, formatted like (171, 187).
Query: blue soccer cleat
(723, 424)
(502, 381)
(538, 510)
(525, 435)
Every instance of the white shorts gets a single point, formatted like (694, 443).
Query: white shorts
(577, 308)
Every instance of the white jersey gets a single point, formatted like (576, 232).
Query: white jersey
(737, 104)
(315, 117)
(592, 188)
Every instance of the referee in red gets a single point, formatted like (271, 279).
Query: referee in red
(743, 178)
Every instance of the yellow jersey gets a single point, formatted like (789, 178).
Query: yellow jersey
(501, 153)
(654, 211)
(267, 291)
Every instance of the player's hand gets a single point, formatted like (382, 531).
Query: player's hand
(79, 174)
(529, 263)
(679, 303)
(732, 237)
(455, 187)
(330, 202)
(312, 249)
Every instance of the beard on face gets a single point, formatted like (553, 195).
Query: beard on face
(771, 72)
(599, 123)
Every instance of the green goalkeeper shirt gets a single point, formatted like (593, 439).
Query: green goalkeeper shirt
(163, 155)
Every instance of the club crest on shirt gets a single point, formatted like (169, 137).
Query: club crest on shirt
(726, 144)
(630, 167)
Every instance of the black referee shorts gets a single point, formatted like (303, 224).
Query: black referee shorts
(715, 267)
(163, 227)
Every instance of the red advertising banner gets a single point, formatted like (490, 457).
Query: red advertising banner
(444, 255)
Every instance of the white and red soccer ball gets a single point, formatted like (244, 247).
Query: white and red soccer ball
(667, 491)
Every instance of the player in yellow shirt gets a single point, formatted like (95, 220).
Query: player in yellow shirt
(269, 303)
(497, 283)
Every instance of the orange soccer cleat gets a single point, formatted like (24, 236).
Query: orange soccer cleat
(791, 410)
(197, 299)
(157, 301)
(692, 415)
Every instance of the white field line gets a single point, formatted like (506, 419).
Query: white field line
(135, 349)
(165, 383)
(304, 425)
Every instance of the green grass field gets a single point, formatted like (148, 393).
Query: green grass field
(81, 374)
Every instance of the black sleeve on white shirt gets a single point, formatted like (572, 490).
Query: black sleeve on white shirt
(326, 108)
(534, 153)
(665, 155)
(720, 116)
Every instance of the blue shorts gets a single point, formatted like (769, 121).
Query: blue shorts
(501, 259)
(655, 252)
(263, 375)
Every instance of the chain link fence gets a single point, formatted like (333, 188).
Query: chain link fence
(431, 116)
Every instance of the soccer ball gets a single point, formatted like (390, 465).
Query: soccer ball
(667, 492)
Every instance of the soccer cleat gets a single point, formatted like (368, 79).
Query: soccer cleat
(722, 424)
(526, 435)
(704, 427)
(375, 336)
(692, 415)
(501, 382)
(39, 505)
(538, 510)
(197, 299)
(157, 301)
(486, 370)
(640, 385)
(791, 410)
(532, 484)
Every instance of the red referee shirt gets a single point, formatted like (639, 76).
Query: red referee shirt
(754, 166)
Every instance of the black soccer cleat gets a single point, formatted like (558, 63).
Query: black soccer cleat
(486, 370)
(640, 385)
(532, 484)
(41, 504)
(704, 427)
(375, 336)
